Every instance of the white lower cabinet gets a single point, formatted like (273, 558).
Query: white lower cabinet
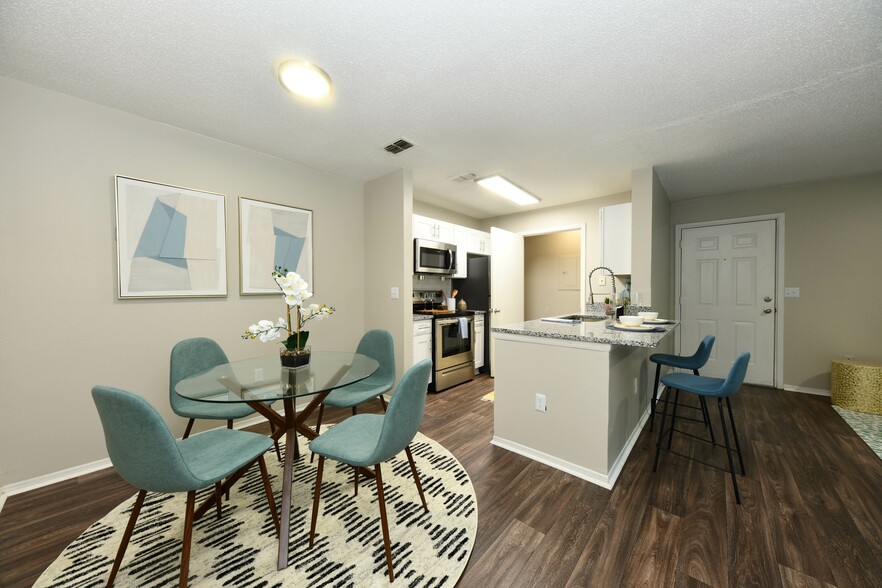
(479, 341)
(422, 341)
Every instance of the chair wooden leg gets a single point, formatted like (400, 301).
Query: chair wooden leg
(315, 498)
(382, 401)
(229, 423)
(188, 429)
(318, 426)
(188, 537)
(728, 451)
(416, 477)
(268, 489)
(127, 534)
(383, 522)
(275, 441)
(354, 410)
(654, 396)
(356, 479)
(217, 499)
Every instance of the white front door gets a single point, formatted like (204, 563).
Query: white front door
(727, 289)
(506, 282)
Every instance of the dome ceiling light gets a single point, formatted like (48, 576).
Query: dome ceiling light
(304, 79)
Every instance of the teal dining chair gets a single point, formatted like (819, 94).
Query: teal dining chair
(190, 357)
(367, 440)
(377, 344)
(705, 387)
(146, 455)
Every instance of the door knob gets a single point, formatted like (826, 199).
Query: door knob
(767, 311)
(768, 298)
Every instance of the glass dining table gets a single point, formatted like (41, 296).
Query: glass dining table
(262, 381)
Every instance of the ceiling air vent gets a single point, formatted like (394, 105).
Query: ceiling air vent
(466, 177)
(398, 146)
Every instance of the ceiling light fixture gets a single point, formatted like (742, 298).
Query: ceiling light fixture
(506, 189)
(304, 79)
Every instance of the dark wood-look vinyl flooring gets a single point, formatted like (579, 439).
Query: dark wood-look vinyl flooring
(811, 512)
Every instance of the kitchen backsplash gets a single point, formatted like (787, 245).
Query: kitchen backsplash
(431, 283)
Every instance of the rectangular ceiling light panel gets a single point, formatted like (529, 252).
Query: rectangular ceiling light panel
(506, 189)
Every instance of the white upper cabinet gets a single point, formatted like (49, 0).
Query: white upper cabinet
(615, 239)
(466, 240)
(433, 229)
(478, 242)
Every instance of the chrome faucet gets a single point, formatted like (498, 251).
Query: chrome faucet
(591, 288)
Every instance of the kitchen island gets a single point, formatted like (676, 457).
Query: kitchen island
(595, 381)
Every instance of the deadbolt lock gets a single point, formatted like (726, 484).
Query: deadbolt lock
(768, 298)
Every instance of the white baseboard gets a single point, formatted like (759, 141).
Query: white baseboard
(558, 464)
(88, 468)
(804, 390)
(620, 461)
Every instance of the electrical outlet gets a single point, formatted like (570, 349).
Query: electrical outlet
(394, 292)
(601, 281)
(258, 374)
(541, 404)
(791, 292)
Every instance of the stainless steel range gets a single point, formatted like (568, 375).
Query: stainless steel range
(454, 350)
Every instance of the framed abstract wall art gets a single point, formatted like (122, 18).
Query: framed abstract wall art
(271, 236)
(170, 241)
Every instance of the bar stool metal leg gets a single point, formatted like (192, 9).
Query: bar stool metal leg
(728, 451)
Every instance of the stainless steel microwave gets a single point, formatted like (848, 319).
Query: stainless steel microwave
(433, 257)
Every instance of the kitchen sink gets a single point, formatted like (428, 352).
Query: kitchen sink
(585, 318)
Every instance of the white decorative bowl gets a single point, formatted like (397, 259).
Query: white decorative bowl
(631, 321)
(648, 315)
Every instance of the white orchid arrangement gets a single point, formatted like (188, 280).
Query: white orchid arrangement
(296, 292)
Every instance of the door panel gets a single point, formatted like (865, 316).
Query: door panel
(506, 282)
(726, 272)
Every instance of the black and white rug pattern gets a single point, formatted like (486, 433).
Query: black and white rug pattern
(240, 549)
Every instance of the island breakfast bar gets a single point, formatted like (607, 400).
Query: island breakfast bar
(595, 381)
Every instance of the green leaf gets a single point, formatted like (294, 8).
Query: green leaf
(291, 342)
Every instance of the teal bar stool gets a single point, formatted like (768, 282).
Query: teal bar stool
(367, 440)
(692, 362)
(705, 387)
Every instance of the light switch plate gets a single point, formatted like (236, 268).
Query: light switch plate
(394, 293)
(791, 292)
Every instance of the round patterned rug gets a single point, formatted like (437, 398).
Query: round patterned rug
(240, 549)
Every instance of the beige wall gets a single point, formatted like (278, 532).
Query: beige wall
(832, 251)
(421, 206)
(63, 329)
(545, 257)
(650, 241)
(388, 260)
(586, 212)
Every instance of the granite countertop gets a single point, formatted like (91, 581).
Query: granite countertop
(588, 332)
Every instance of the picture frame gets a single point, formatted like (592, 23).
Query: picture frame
(270, 236)
(170, 241)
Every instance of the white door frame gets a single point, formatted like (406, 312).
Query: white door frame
(779, 281)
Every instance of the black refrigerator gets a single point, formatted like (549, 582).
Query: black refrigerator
(475, 290)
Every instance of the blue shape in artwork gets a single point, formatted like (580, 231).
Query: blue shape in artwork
(163, 236)
(288, 249)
